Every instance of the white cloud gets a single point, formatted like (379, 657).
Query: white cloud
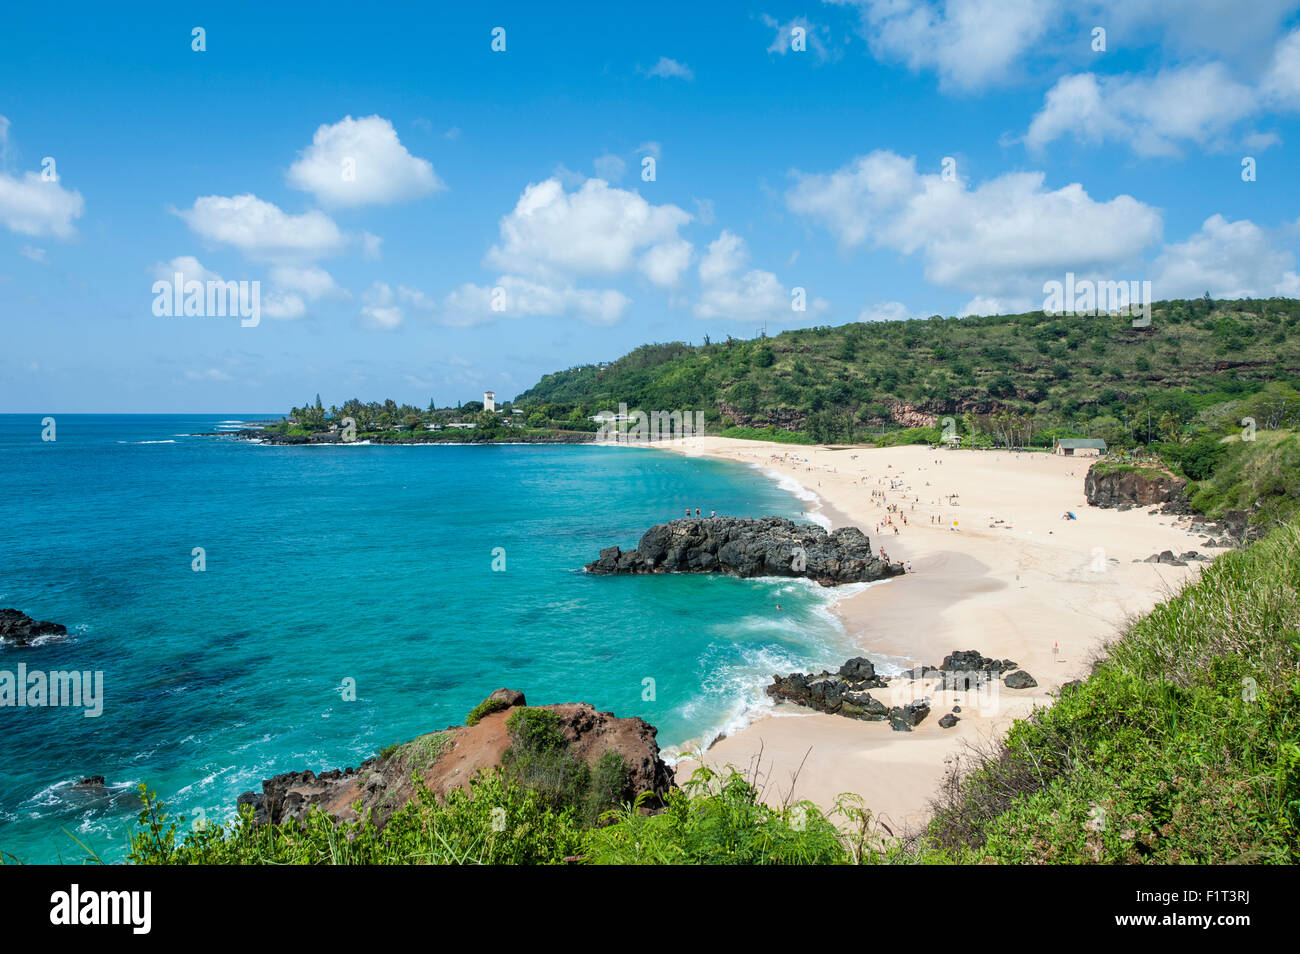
(371, 246)
(283, 306)
(471, 304)
(886, 311)
(1281, 83)
(273, 303)
(189, 267)
(1227, 259)
(35, 254)
(379, 309)
(260, 229)
(970, 43)
(35, 206)
(1259, 141)
(596, 230)
(667, 68)
(728, 290)
(984, 305)
(362, 162)
(1150, 113)
(664, 263)
(1002, 237)
(310, 280)
(1242, 31)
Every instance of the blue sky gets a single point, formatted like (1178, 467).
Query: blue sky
(516, 177)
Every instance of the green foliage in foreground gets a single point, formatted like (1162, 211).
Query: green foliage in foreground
(1182, 748)
(498, 821)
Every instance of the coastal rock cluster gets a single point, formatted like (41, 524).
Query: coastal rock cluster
(19, 629)
(450, 759)
(846, 692)
(1126, 489)
(747, 547)
(1168, 557)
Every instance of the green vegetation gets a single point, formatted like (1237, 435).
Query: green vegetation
(1263, 472)
(419, 754)
(496, 820)
(774, 434)
(486, 707)
(1050, 376)
(540, 760)
(1182, 747)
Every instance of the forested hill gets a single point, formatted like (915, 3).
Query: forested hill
(1094, 375)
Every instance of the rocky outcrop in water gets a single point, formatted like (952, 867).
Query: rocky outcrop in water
(745, 547)
(1123, 489)
(19, 629)
(450, 759)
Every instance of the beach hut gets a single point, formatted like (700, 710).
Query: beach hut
(1079, 447)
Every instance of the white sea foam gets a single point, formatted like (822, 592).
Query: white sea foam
(791, 486)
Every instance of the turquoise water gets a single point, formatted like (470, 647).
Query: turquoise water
(325, 564)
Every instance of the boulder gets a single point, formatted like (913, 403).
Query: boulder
(948, 721)
(905, 718)
(511, 697)
(1020, 680)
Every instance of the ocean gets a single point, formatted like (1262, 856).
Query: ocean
(423, 576)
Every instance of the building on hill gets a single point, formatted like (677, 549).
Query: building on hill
(1079, 447)
(489, 401)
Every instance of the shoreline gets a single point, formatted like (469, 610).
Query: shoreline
(1012, 580)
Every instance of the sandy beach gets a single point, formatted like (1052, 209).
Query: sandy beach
(994, 567)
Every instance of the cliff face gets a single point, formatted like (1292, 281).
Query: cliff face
(449, 759)
(1122, 489)
(768, 546)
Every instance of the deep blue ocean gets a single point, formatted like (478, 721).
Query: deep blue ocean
(336, 563)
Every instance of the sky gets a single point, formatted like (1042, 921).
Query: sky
(432, 200)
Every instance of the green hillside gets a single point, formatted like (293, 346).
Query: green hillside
(1088, 376)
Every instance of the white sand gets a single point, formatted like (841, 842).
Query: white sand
(1014, 589)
